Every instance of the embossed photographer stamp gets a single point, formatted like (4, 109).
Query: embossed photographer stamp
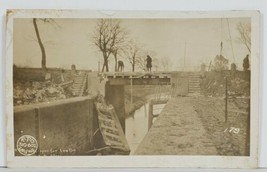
(27, 145)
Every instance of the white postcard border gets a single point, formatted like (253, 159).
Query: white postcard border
(135, 161)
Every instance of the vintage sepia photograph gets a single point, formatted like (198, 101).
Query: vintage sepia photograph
(133, 86)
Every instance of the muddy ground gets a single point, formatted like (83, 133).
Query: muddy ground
(230, 138)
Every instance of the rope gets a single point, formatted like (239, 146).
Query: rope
(231, 40)
(221, 44)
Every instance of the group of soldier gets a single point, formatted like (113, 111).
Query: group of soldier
(148, 64)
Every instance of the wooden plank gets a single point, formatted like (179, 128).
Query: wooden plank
(120, 130)
(140, 81)
(155, 115)
(106, 119)
(112, 135)
(115, 143)
(109, 128)
(108, 137)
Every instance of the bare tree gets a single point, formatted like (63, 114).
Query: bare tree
(109, 36)
(133, 54)
(140, 62)
(39, 40)
(244, 30)
(115, 54)
(156, 63)
(43, 63)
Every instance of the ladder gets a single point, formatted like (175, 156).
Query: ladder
(111, 129)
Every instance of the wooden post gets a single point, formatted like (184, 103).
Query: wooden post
(150, 115)
(226, 99)
(184, 55)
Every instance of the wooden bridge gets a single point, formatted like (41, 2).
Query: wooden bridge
(138, 78)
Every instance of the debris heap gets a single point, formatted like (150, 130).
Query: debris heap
(35, 92)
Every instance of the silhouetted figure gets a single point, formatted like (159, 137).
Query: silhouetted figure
(148, 63)
(120, 66)
(62, 75)
(73, 69)
(246, 63)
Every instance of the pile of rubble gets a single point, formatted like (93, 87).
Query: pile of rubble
(34, 92)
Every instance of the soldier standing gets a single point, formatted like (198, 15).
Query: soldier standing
(148, 63)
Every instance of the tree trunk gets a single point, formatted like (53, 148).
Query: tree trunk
(116, 62)
(43, 63)
(105, 65)
(133, 64)
(106, 60)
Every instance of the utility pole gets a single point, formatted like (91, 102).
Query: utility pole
(184, 54)
(226, 99)
(221, 47)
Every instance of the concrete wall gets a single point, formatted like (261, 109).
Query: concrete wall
(114, 94)
(60, 128)
(24, 124)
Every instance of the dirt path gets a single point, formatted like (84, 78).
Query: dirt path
(177, 131)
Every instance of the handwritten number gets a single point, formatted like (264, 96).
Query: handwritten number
(232, 130)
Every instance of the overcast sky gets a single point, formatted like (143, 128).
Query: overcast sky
(69, 41)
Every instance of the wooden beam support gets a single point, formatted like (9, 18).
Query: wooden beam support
(140, 81)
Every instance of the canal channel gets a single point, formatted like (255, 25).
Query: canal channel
(137, 125)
